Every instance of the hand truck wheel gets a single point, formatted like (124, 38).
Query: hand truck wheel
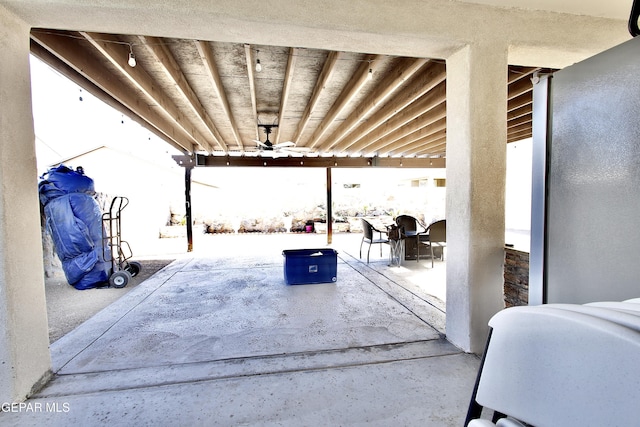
(134, 268)
(119, 279)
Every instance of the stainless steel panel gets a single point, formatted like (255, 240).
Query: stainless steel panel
(593, 184)
(538, 191)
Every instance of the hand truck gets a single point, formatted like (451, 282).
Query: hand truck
(116, 250)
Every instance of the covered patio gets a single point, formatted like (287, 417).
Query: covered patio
(477, 41)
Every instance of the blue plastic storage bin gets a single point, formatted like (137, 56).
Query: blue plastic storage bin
(308, 266)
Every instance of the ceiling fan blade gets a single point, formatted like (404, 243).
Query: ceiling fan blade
(260, 143)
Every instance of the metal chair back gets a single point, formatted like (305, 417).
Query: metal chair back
(438, 231)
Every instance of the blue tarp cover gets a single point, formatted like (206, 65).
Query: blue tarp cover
(74, 220)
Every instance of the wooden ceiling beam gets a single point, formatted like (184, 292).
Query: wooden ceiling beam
(518, 88)
(248, 54)
(519, 112)
(401, 147)
(518, 73)
(524, 99)
(420, 84)
(353, 87)
(519, 130)
(409, 132)
(520, 134)
(432, 99)
(324, 76)
(73, 52)
(520, 100)
(286, 87)
(159, 50)
(518, 137)
(116, 52)
(515, 132)
(528, 118)
(206, 56)
(520, 127)
(423, 145)
(435, 147)
(403, 70)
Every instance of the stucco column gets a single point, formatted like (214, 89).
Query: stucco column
(476, 168)
(24, 339)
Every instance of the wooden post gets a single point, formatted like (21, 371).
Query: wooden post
(187, 194)
(329, 210)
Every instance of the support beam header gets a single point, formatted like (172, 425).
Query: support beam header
(310, 162)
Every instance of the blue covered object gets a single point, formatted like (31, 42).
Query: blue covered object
(74, 220)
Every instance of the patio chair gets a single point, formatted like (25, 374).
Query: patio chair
(413, 231)
(437, 238)
(368, 231)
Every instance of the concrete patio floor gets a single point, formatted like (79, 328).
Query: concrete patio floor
(218, 338)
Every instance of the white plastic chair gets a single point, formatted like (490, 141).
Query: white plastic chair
(560, 365)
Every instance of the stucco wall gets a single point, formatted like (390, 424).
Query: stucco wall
(24, 355)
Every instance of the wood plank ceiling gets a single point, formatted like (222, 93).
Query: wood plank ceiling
(208, 97)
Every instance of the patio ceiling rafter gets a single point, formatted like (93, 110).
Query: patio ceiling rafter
(420, 84)
(204, 50)
(248, 54)
(420, 115)
(401, 72)
(327, 70)
(434, 148)
(435, 126)
(353, 87)
(116, 52)
(286, 88)
(163, 56)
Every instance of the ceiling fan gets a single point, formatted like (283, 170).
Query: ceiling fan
(282, 147)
